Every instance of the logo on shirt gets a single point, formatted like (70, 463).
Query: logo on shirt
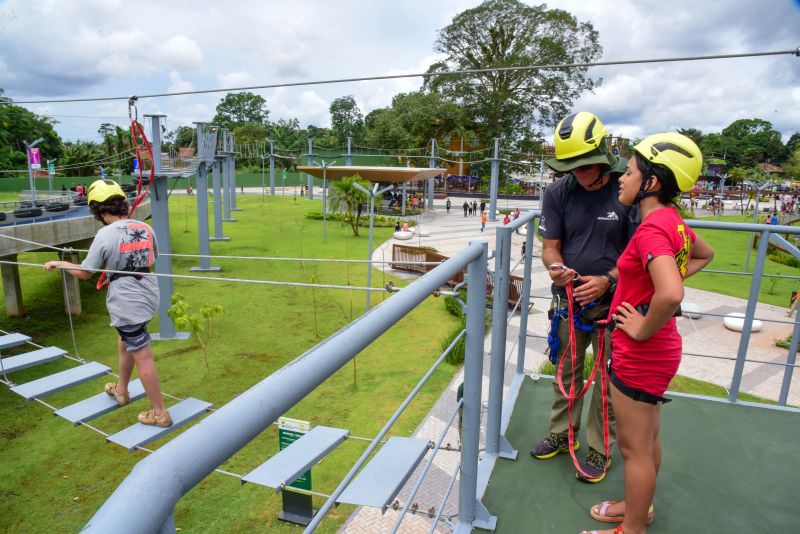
(682, 255)
(610, 216)
(542, 226)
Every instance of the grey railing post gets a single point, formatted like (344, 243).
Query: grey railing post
(471, 511)
(203, 154)
(790, 359)
(349, 158)
(497, 445)
(432, 164)
(310, 162)
(749, 313)
(493, 184)
(232, 151)
(159, 211)
(217, 197)
(524, 302)
(272, 168)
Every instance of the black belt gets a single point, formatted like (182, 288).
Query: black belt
(643, 309)
(116, 276)
(633, 393)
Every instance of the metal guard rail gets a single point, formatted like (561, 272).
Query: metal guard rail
(145, 500)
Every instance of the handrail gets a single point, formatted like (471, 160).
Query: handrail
(145, 500)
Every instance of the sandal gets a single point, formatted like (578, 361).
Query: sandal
(150, 418)
(598, 513)
(122, 398)
(617, 530)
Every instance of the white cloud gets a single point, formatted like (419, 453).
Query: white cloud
(104, 47)
(234, 79)
(178, 84)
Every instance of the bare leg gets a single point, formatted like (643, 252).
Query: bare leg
(125, 367)
(149, 378)
(637, 430)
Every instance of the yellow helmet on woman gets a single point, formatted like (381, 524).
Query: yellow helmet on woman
(580, 140)
(676, 152)
(102, 190)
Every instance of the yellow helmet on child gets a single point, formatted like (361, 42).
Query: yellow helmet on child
(102, 190)
(676, 152)
(580, 140)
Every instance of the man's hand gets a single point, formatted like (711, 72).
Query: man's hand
(591, 288)
(559, 274)
(630, 321)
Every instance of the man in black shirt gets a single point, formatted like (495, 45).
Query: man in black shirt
(584, 229)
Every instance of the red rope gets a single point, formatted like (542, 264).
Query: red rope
(572, 396)
(140, 195)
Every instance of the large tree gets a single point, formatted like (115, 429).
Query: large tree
(346, 119)
(18, 125)
(238, 109)
(755, 141)
(414, 119)
(508, 33)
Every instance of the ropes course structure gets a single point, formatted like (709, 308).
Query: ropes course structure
(178, 466)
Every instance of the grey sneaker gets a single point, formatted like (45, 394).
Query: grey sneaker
(595, 465)
(551, 446)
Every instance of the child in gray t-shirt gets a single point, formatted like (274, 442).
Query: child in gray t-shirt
(125, 244)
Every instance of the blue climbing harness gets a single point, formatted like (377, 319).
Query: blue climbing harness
(561, 313)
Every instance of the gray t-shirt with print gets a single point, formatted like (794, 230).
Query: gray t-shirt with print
(126, 245)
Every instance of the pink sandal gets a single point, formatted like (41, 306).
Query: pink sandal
(598, 513)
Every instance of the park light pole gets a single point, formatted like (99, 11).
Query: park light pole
(325, 165)
(372, 194)
(28, 148)
(755, 217)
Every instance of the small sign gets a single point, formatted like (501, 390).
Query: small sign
(297, 507)
(51, 168)
(35, 158)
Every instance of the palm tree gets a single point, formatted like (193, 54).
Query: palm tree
(348, 199)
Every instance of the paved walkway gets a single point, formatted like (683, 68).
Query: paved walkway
(449, 233)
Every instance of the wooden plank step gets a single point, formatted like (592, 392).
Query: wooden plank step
(12, 340)
(100, 404)
(137, 435)
(60, 381)
(297, 458)
(383, 477)
(31, 359)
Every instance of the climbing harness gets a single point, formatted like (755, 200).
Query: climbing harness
(558, 314)
(599, 361)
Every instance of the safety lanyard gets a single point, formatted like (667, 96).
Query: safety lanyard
(599, 359)
(136, 129)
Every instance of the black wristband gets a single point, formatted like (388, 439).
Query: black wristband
(612, 282)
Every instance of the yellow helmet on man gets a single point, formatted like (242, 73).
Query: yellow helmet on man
(103, 189)
(676, 152)
(580, 139)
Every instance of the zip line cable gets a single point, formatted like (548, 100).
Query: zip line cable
(257, 258)
(795, 52)
(216, 279)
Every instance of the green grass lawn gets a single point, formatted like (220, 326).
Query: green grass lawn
(53, 477)
(730, 254)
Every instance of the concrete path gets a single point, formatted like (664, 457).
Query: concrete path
(449, 233)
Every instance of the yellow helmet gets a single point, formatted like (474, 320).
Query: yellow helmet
(580, 140)
(578, 134)
(102, 190)
(676, 152)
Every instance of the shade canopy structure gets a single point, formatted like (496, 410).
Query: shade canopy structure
(375, 174)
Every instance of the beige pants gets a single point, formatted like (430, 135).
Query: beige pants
(559, 414)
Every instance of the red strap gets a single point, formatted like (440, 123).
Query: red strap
(572, 396)
(140, 195)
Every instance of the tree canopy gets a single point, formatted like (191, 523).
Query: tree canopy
(346, 119)
(508, 33)
(18, 125)
(238, 109)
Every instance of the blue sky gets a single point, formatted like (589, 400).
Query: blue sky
(70, 48)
